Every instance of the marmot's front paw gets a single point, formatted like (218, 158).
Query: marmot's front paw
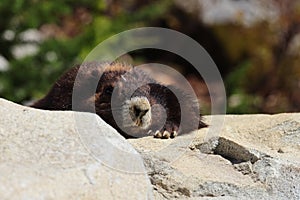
(165, 135)
(169, 131)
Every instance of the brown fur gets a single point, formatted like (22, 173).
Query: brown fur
(138, 113)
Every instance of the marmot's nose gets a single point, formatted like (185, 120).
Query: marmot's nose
(138, 112)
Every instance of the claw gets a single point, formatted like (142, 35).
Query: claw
(158, 134)
(174, 134)
(166, 135)
(150, 132)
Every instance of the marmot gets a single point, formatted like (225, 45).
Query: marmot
(150, 108)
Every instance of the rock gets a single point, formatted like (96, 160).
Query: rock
(43, 156)
(66, 155)
(252, 157)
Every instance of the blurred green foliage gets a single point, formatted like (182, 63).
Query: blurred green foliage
(30, 76)
(258, 63)
(73, 28)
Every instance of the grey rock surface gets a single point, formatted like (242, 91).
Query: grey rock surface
(72, 155)
(252, 157)
(43, 155)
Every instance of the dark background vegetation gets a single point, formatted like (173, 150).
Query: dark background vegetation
(259, 62)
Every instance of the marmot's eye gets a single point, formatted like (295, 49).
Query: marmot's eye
(108, 90)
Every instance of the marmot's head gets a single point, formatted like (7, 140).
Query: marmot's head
(119, 101)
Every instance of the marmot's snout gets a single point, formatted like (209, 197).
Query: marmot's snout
(137, 112)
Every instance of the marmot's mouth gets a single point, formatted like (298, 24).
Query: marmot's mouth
(137, 112)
